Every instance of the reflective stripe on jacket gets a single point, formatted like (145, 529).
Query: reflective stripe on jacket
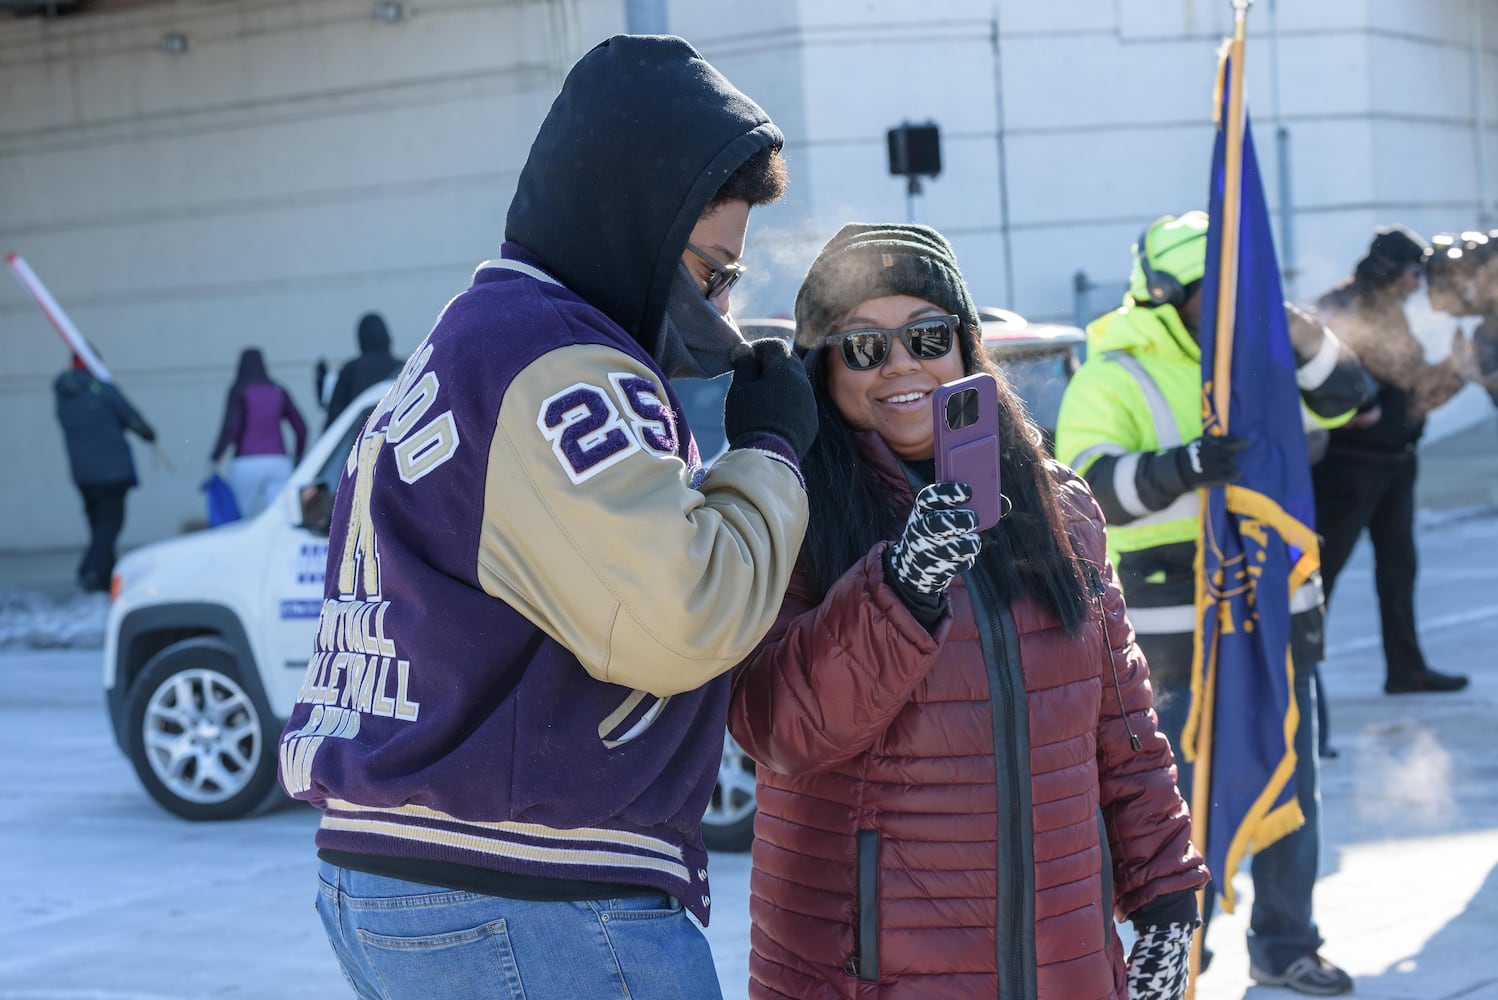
(1140, 392)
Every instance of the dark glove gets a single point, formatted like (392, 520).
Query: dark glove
(940, 540)
(770, 394)
(1159, 962)
(1208, 461)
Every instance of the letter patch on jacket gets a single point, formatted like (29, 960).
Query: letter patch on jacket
(589, 431)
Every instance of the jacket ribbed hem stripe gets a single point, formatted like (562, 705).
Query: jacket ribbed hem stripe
(579, 852)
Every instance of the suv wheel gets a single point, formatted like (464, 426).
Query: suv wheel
(200, 744)
(728, 824)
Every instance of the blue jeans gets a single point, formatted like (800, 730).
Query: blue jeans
(400, 940)
(1281, 925)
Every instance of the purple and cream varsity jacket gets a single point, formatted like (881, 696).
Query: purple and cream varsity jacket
(534, 595)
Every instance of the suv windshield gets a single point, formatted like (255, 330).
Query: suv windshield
(316, 497)
(1040, 379)
(702, 399)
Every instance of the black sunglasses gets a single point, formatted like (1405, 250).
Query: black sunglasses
(721, 277)
(927, 339)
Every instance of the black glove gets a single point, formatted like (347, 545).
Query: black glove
(1208, 461)
(1163, 476)
(940, 540)
(770, 394)
(1159, 962)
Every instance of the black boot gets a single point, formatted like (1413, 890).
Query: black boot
(1425, 680)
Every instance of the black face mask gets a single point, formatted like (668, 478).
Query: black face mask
(696, 339)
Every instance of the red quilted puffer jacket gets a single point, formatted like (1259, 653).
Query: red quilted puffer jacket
(959, 814)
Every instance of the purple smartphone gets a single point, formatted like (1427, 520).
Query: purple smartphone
(966, 417)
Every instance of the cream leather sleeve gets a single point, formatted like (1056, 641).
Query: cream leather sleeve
(592, 530)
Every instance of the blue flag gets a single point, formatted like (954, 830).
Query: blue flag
(1257, 544)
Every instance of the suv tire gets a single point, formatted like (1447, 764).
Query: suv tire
(728, 824)
(201, 744)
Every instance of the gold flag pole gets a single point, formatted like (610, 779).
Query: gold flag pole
(1227, 295)
(1232, 198)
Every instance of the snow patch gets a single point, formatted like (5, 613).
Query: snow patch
(31, 619)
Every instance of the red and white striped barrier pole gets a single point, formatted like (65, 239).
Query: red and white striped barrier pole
(59, 319)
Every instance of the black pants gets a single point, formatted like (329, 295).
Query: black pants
(1356, 490)
(104, 504)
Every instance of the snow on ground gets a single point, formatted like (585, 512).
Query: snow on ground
(34, 619)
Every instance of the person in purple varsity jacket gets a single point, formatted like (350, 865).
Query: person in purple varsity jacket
(514, 710)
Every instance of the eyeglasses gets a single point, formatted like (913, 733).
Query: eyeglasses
(926, 339)
(721, 277)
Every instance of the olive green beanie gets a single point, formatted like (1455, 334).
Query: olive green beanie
(870, 260)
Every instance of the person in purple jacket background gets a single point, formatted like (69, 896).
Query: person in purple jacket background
(514, 710)
(253, 414)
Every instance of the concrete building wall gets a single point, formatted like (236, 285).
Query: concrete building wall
(302, 162)
(299, 164)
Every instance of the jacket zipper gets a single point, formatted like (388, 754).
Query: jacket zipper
(866, 961)
(1012, 967)
(1107, 874)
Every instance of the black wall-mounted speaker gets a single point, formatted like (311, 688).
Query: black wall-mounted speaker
(915, 150)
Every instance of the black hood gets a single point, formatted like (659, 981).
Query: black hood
(73, 383)
(640, 139)
(374, 335)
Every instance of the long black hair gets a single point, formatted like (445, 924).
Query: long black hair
(251, 369)
(850, 512)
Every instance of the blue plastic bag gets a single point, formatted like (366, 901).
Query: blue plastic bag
(222, 507)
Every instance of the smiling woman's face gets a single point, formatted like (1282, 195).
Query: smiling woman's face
(893, 398)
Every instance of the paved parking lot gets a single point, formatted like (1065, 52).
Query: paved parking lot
(106, 897)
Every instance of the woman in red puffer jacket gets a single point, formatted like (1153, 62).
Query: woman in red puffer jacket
(960, 778)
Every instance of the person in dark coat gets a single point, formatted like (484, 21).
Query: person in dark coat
(94, 416)
(1366, 481)
(374, 364)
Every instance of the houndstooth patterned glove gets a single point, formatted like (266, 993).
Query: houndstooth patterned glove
(1159, 962)
(940, 539)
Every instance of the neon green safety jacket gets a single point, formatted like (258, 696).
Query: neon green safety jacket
(1139, 395)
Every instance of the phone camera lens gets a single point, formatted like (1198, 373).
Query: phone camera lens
(962, 409)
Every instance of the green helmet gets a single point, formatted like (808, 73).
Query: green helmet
(1169, 256)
